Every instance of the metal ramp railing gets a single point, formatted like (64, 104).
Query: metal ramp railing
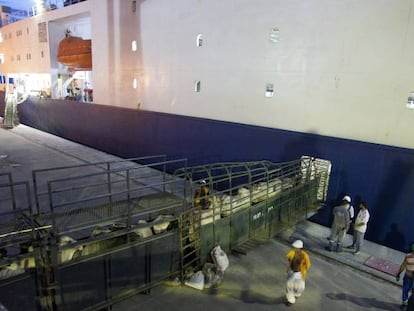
(73, 204)
(81, 197)
(253, 200)
(19, 236)
(129, 202)
(113, 170)
(317, 168)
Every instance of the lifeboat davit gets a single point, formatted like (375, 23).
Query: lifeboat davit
(75, 53)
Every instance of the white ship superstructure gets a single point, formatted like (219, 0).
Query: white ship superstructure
(328, 65)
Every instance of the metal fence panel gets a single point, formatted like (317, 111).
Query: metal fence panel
(19, 293)
(239, 226)
(128, 269)
(258, 219)
(83, 284)
(213, 234)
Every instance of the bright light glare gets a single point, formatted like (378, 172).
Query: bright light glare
(134, 46)
(40, 6)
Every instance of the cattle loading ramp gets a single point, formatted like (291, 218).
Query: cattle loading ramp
(87, 236)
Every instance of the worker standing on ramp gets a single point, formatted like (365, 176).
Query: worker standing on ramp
(201, 196)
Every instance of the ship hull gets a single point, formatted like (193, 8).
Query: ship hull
(133, 133)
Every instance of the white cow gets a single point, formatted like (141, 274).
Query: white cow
(67, 254)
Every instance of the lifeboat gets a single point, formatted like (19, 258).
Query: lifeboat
(75, 53)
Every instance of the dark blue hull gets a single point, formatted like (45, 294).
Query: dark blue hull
(383, 176)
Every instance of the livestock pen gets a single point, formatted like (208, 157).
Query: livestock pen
(88, 236)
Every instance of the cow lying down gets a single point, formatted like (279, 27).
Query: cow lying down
(26, 261)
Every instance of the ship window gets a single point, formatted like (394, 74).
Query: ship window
(1, 58)
(27, 30)
(134, 46)
(134, 83)
(1, 37)
(18, 57)
(197, 86)
(42, 32)
(269, 90)
(42, 54)
(199, 41)
(274, 35)
(410, 103)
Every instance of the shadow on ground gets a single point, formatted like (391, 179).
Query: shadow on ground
(364, 302)
(248, 296)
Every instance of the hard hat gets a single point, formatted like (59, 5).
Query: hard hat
(203, 182)
(347, 198)
(297, 244)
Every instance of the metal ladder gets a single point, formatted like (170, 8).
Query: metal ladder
(48, 286)
(190, 246)
(46, 259)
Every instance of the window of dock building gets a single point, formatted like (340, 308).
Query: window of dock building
(134, 46)
(42, 32)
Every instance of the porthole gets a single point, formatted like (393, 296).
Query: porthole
(197, 86)
(274, 35)
(199, 41)
(410, 102)
(269, 90)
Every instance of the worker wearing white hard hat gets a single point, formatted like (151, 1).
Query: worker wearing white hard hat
(351, 211)
(298, 265)
(340, 225)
